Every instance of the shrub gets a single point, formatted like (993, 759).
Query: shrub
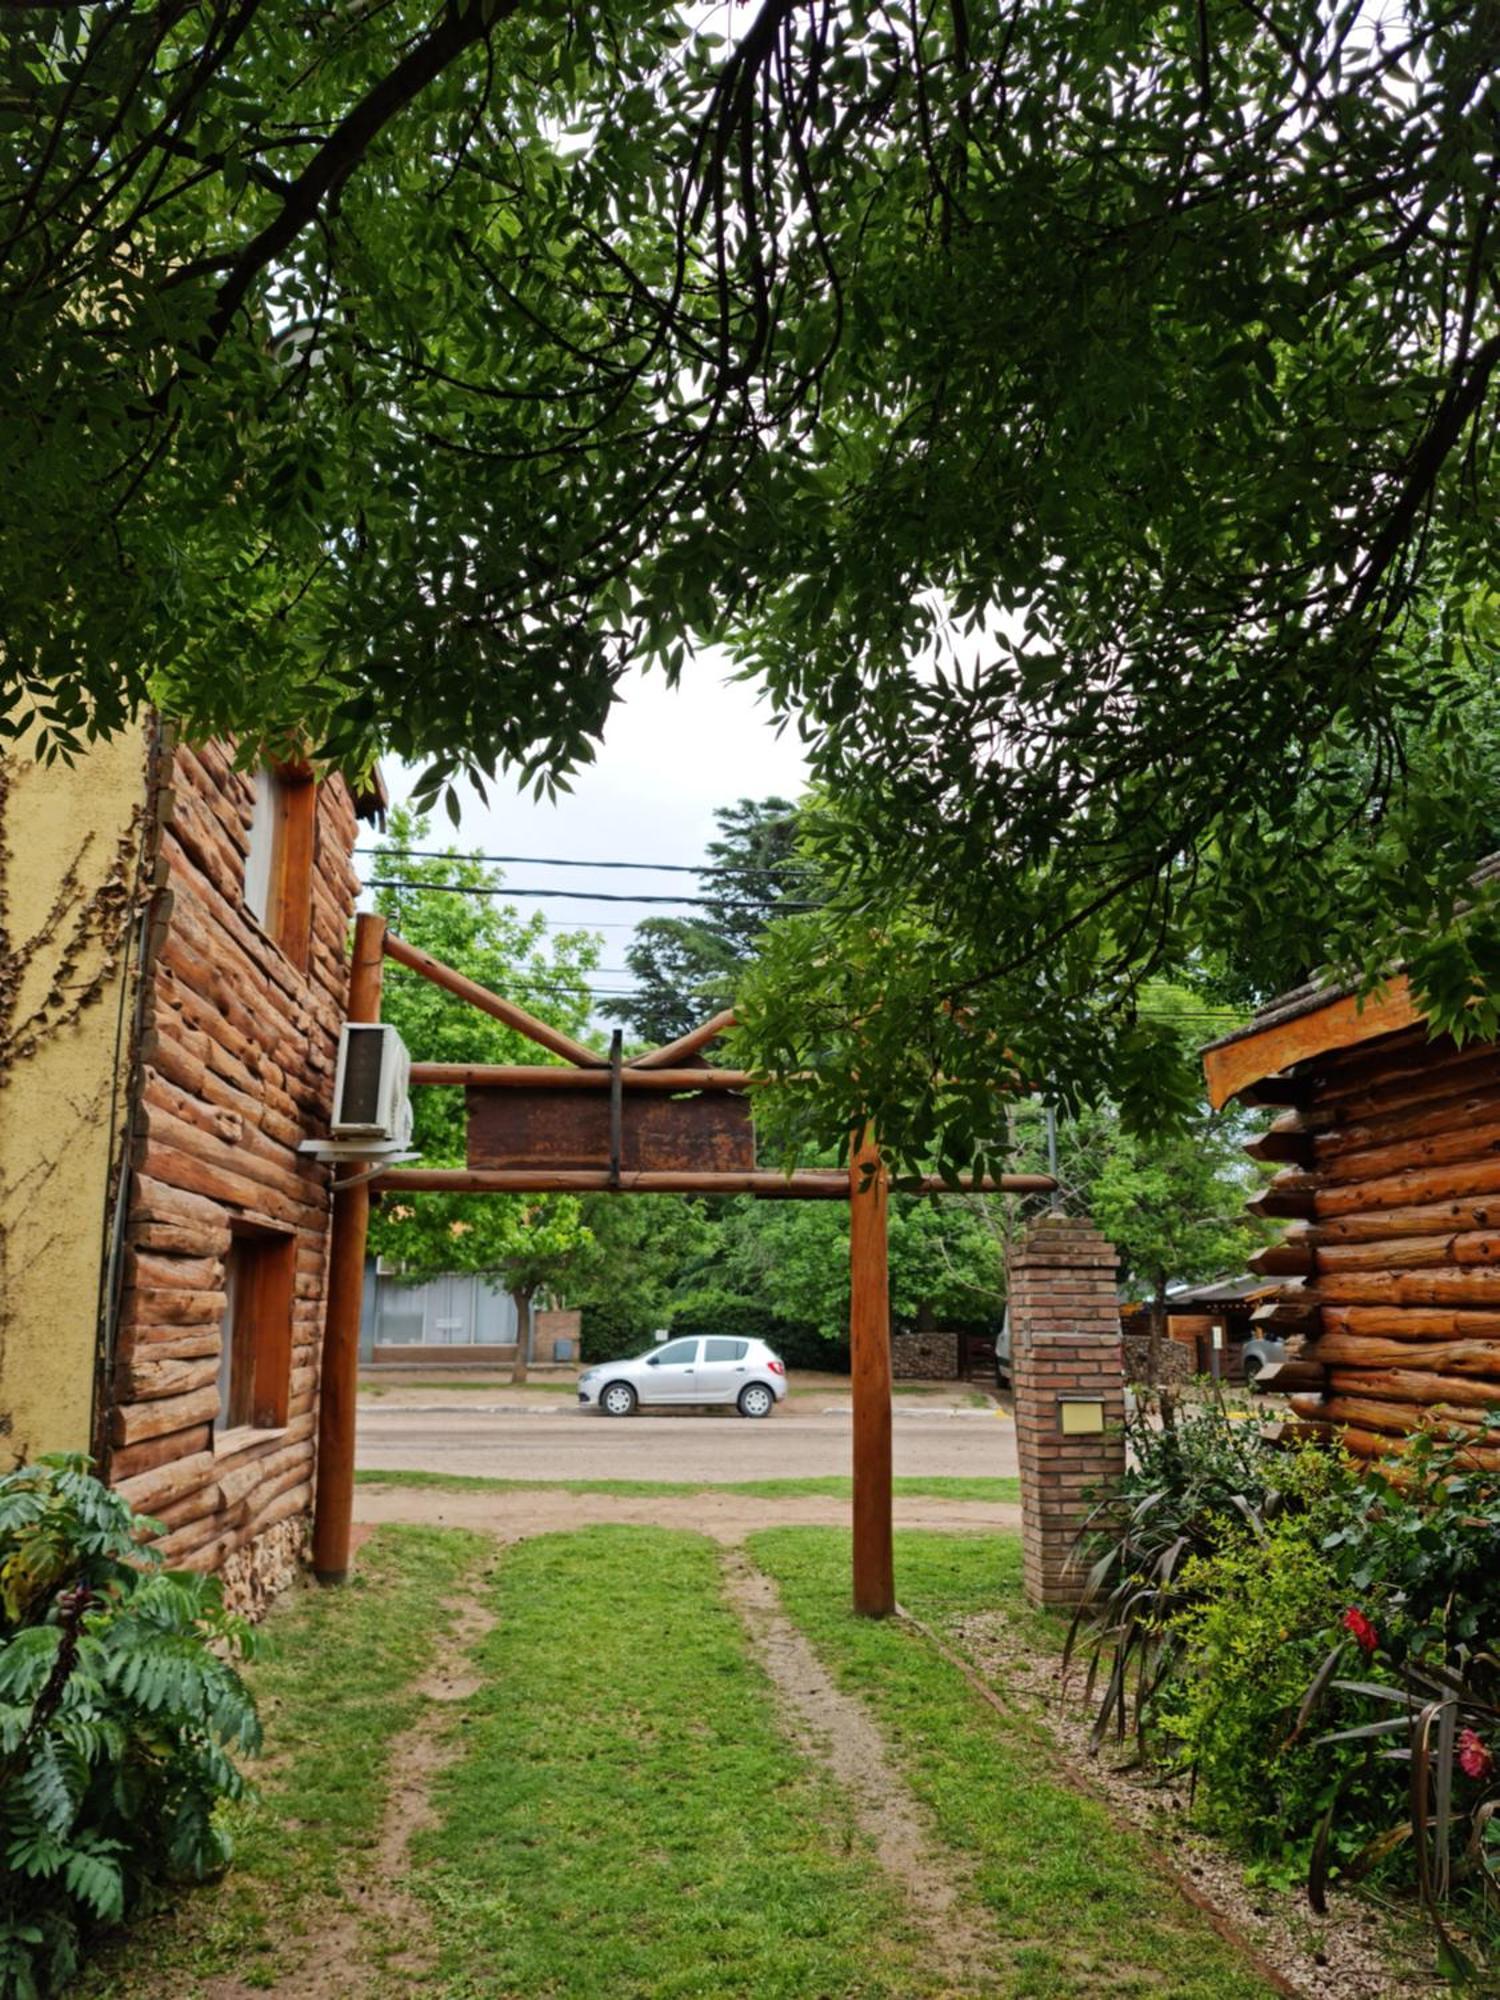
(119, 1706)
(1188, 1486)
(1263, 1608)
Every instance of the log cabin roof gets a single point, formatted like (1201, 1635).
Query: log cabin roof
(1311, 1020)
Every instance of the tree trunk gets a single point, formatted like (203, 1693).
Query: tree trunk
(523, 1295)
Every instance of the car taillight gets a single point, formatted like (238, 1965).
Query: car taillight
(776, 1367)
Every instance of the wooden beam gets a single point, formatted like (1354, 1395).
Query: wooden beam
(338, 1389)
(806, 1184)
(870, 1380)
(685, 1045)
(419, 961)
(554, 1076)
(1341, 1023)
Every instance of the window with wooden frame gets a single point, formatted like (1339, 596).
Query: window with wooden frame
(255, 1352)
(279, 864)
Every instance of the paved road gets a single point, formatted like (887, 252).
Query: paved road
(708, 1446)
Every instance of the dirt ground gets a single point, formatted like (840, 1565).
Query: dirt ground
(727, 1517)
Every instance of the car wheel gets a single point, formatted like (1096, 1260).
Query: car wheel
(756, 1400)
(618, 1400)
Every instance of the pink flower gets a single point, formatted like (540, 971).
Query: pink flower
(1355, 1621)
(1475, 1757)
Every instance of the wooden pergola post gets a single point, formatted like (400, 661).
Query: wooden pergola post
(338, 1387)
(870, 1372)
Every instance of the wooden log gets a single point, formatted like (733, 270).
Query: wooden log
(196, 1506)
(559, 1076)
(870, 1381)
(1403, 1253)
(1468, 1357)
(1283, 1318)
(671, 1053)
(1400, 1075)
(1371, 1413)
(170, 1307)
(1291, 1257)
(167, 1343)
(1413, 1322)
(154, 1200)
(1287, 1139)
(547, 1037)
(1440, 1285)
(806, 1184)
(186, 1240)
(1280, 1378)
(1411, 1385)
(1445, 1111)
(151, 1270)
(334, 1512)
(135, 1422)
(1251, 1058)
(1427, 1219)
(254, 1198)
(1412, 1153)
(196, 1536)
(1291, 1196)
(1311, 1406)
(1415, 1185)
(155, 1451)
(143, 1381)
(159, 1487)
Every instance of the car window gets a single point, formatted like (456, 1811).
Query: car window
(676, 1353)
(725, 1350)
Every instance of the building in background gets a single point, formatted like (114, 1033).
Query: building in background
(457, 1318)
(174, 939)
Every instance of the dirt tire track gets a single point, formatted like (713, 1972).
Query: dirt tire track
(336, 1957)
(834, 1729)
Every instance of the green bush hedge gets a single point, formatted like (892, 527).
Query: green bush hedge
(119, 1707)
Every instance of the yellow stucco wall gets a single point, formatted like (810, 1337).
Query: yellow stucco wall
(69, 843)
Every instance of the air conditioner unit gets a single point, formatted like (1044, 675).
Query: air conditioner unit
(370, 1086)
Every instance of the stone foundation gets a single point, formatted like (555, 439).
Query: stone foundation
(924, 1357)
(258, 1573)
(1176, 1360)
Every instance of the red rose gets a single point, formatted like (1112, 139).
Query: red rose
(1364, 1632)
(1475, 1757)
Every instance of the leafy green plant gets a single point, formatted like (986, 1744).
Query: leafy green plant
(1260, 1612)
(119, 1706)
(1418, 1552)
(1188, 1484)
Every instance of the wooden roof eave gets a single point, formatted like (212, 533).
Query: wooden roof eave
(1343, 1021)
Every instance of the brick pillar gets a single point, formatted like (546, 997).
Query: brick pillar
(1065, 1349)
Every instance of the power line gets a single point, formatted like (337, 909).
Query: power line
(565, 861)
(580, 895)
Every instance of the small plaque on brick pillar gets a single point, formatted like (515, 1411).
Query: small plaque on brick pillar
(1070, 1392)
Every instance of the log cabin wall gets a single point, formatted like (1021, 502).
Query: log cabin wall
(1390, 1265)
(211, 1421)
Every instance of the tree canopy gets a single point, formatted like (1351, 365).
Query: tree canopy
(451, 905)
(687, 968)
(1081, 416)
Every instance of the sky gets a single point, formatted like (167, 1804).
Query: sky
(668, 758)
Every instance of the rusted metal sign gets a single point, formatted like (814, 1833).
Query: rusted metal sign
(520, 1128)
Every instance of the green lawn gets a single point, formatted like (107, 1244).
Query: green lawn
(334, 1686)
(628, 1822)
(625, 1817)
(1077, 1896)
(836, 1486)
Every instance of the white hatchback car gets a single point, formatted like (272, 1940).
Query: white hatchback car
(711, 1370)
